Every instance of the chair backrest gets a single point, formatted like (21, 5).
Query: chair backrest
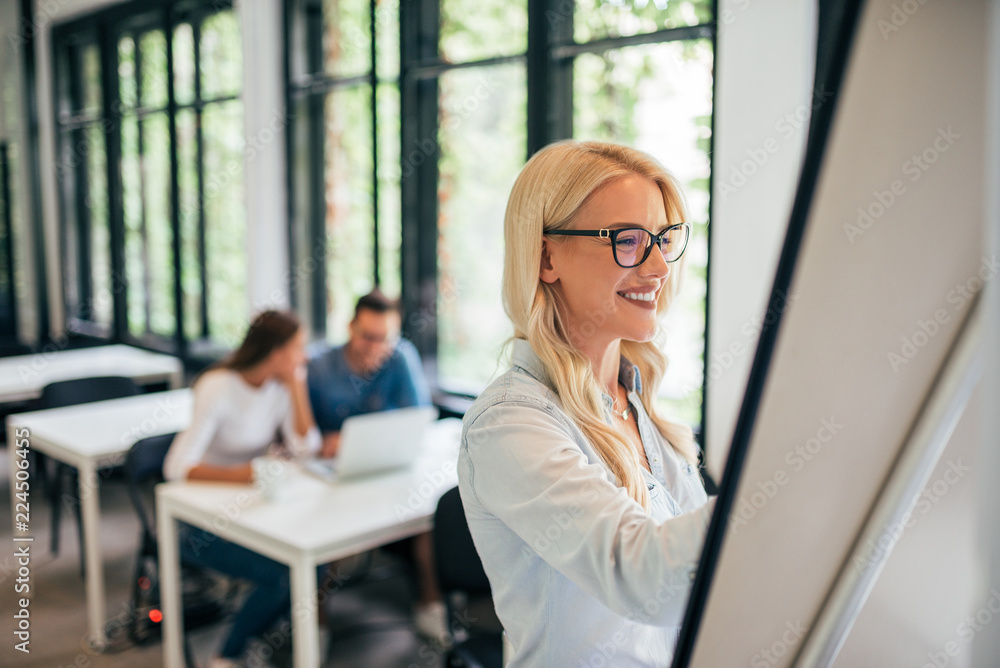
(459, 567)
(144, 464)
(85, 391)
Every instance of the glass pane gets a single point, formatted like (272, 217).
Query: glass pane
(127, 93)
(658, 98)
(225, 222)
(221, 56)
(347, 37)
(482, 113)
(187, 178)
(389, 215)
(486, 29)
(154, 149)
(153, 69)
(91, 77)
(597, 19)
(387, 38)
(100, 240)
(135, 242)
(348, 186)
(184, 64)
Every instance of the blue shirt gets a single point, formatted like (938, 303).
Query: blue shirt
(336, 392)
(581, 574)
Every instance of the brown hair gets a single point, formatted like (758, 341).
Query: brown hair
(268, 331)
(375, 301)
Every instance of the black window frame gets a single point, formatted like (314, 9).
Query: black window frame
(105, 28)
(549, 58)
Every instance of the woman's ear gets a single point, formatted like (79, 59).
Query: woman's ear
(546, 272)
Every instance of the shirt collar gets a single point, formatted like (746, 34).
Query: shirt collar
(524, 356)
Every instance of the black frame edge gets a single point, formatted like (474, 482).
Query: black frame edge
(819, 133)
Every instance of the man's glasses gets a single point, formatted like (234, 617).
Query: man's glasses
(631, 245)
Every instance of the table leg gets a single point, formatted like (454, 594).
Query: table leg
(91, 515)
(304, 630)
(170, 596)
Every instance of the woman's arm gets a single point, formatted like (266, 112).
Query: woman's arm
(189, 447)
(302, 415)
(299, 425)
(521, 464)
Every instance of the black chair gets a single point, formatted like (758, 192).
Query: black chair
(143, 469)
(71, 393)
(460, 571)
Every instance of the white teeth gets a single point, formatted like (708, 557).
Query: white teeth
(641, 297)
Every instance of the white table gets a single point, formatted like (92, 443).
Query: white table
(324, 521)
(89, 437)
(22, 377)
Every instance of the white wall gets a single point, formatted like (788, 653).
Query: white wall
(265, 120)
(765, 62)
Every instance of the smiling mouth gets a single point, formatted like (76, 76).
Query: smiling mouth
(639, 296)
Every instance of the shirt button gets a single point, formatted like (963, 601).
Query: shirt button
(692, 575)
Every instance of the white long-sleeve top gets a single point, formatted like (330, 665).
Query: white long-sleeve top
(581, 575)
(233, 422)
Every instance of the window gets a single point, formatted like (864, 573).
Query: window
(413, 196)
(658, 98)
(345, 175)
(149, 124)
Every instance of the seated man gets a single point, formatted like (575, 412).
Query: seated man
(376, 370)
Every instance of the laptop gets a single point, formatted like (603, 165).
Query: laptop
(376, 442)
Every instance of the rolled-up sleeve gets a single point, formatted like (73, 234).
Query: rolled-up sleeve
(523, 466)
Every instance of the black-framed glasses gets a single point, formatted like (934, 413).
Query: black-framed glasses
(631, 245)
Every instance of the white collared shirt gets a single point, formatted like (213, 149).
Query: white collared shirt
(581, 575)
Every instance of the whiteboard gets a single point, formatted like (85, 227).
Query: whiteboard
(883, 254)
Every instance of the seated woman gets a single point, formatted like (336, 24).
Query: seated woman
(244, 406)
(585, 504)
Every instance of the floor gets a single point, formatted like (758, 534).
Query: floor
(370, 624)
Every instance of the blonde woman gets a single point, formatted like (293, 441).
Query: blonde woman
(585, 505)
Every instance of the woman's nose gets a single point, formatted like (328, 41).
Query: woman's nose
(655, 265)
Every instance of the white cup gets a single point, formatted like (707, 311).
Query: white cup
(271, 475)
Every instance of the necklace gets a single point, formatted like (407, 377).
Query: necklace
(623, 413)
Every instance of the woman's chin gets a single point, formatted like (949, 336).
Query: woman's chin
(641, 334)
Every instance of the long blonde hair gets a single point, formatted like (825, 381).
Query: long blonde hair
(547, 195)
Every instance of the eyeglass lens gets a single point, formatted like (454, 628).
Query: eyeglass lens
(630, 245)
